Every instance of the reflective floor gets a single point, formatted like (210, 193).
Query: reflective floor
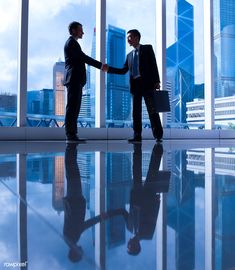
(114, 205)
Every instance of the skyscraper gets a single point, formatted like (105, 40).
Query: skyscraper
(180, 62)
(59, 88)
(224, 47)
(40, 102)
(118, 95)
(118, 100)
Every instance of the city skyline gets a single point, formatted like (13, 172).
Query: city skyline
(43, 23)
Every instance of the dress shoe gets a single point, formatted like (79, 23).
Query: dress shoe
(159, 140)
(75, 139)
(135, 139)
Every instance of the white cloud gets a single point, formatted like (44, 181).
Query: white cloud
(5, 252)
(8, 204)
(8, 68)
(139, 15)
(9, 14)
(45, 9)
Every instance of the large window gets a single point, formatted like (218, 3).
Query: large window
(9, 204)
(224, 63)
(184, 63)
(46, 95)
(121, 17)
(48, 32)
(9, 13)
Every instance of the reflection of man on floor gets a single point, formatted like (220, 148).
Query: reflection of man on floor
(145, 197)
(75, 206)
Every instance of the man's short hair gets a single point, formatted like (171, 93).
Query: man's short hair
(73, 25)
(135, 33)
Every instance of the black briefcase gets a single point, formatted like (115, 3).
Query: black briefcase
(161, 101)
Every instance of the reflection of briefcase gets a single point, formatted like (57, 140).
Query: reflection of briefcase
(161, 101)
(160, 181)
(163, 181)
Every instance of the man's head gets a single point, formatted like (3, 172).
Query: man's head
(75, 254)
(75, 30)
(133, 246)
(133, 37)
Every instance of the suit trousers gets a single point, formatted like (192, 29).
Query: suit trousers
(153, 115)
(74, 99)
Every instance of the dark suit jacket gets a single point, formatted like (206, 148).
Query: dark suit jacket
(147, 66)
(75, 59)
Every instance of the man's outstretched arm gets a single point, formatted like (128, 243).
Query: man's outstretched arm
(114, 70)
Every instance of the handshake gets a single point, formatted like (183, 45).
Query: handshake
(105, 67)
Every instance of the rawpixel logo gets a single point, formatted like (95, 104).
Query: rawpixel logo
(14, 264)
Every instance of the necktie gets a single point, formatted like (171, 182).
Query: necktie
(135, 64)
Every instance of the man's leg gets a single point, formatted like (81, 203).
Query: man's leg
(74, 97)
(137, 115)
(153, 116)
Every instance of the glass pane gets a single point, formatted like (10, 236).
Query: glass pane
(60, 189)
(9, 32)
(118, 97)
(9, 205)
(185, 210)
(48, 32)
(224, 71)
(185, 79)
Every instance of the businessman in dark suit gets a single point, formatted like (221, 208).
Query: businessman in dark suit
(144, 80)
(75, 78)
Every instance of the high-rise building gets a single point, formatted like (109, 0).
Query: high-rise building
(118, 96)
(40, 102)
(181, 211)
(59, 88)
(58, 191)
(180, 62)
(33, 102)
(118, 191)
(224, 47)
(8, 102)
(118, 100)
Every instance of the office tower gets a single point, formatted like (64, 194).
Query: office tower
(118, 191)
(58, 191)
(181, 212)
(224, 216)
(59, 89)
(85, 111)
(33, 102)
(118, 100)
(199, 90)
(180, 62)
(46, 102)
(118, 95)
(87, 174)
(40, 102)
(8, 102)
(224, 47)
(40, 169)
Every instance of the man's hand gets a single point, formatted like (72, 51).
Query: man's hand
(105, 67)
(157, 86)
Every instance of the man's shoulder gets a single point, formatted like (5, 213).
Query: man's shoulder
(146, 46)
(72, 42)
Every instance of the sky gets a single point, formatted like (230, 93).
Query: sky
(48, 21)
